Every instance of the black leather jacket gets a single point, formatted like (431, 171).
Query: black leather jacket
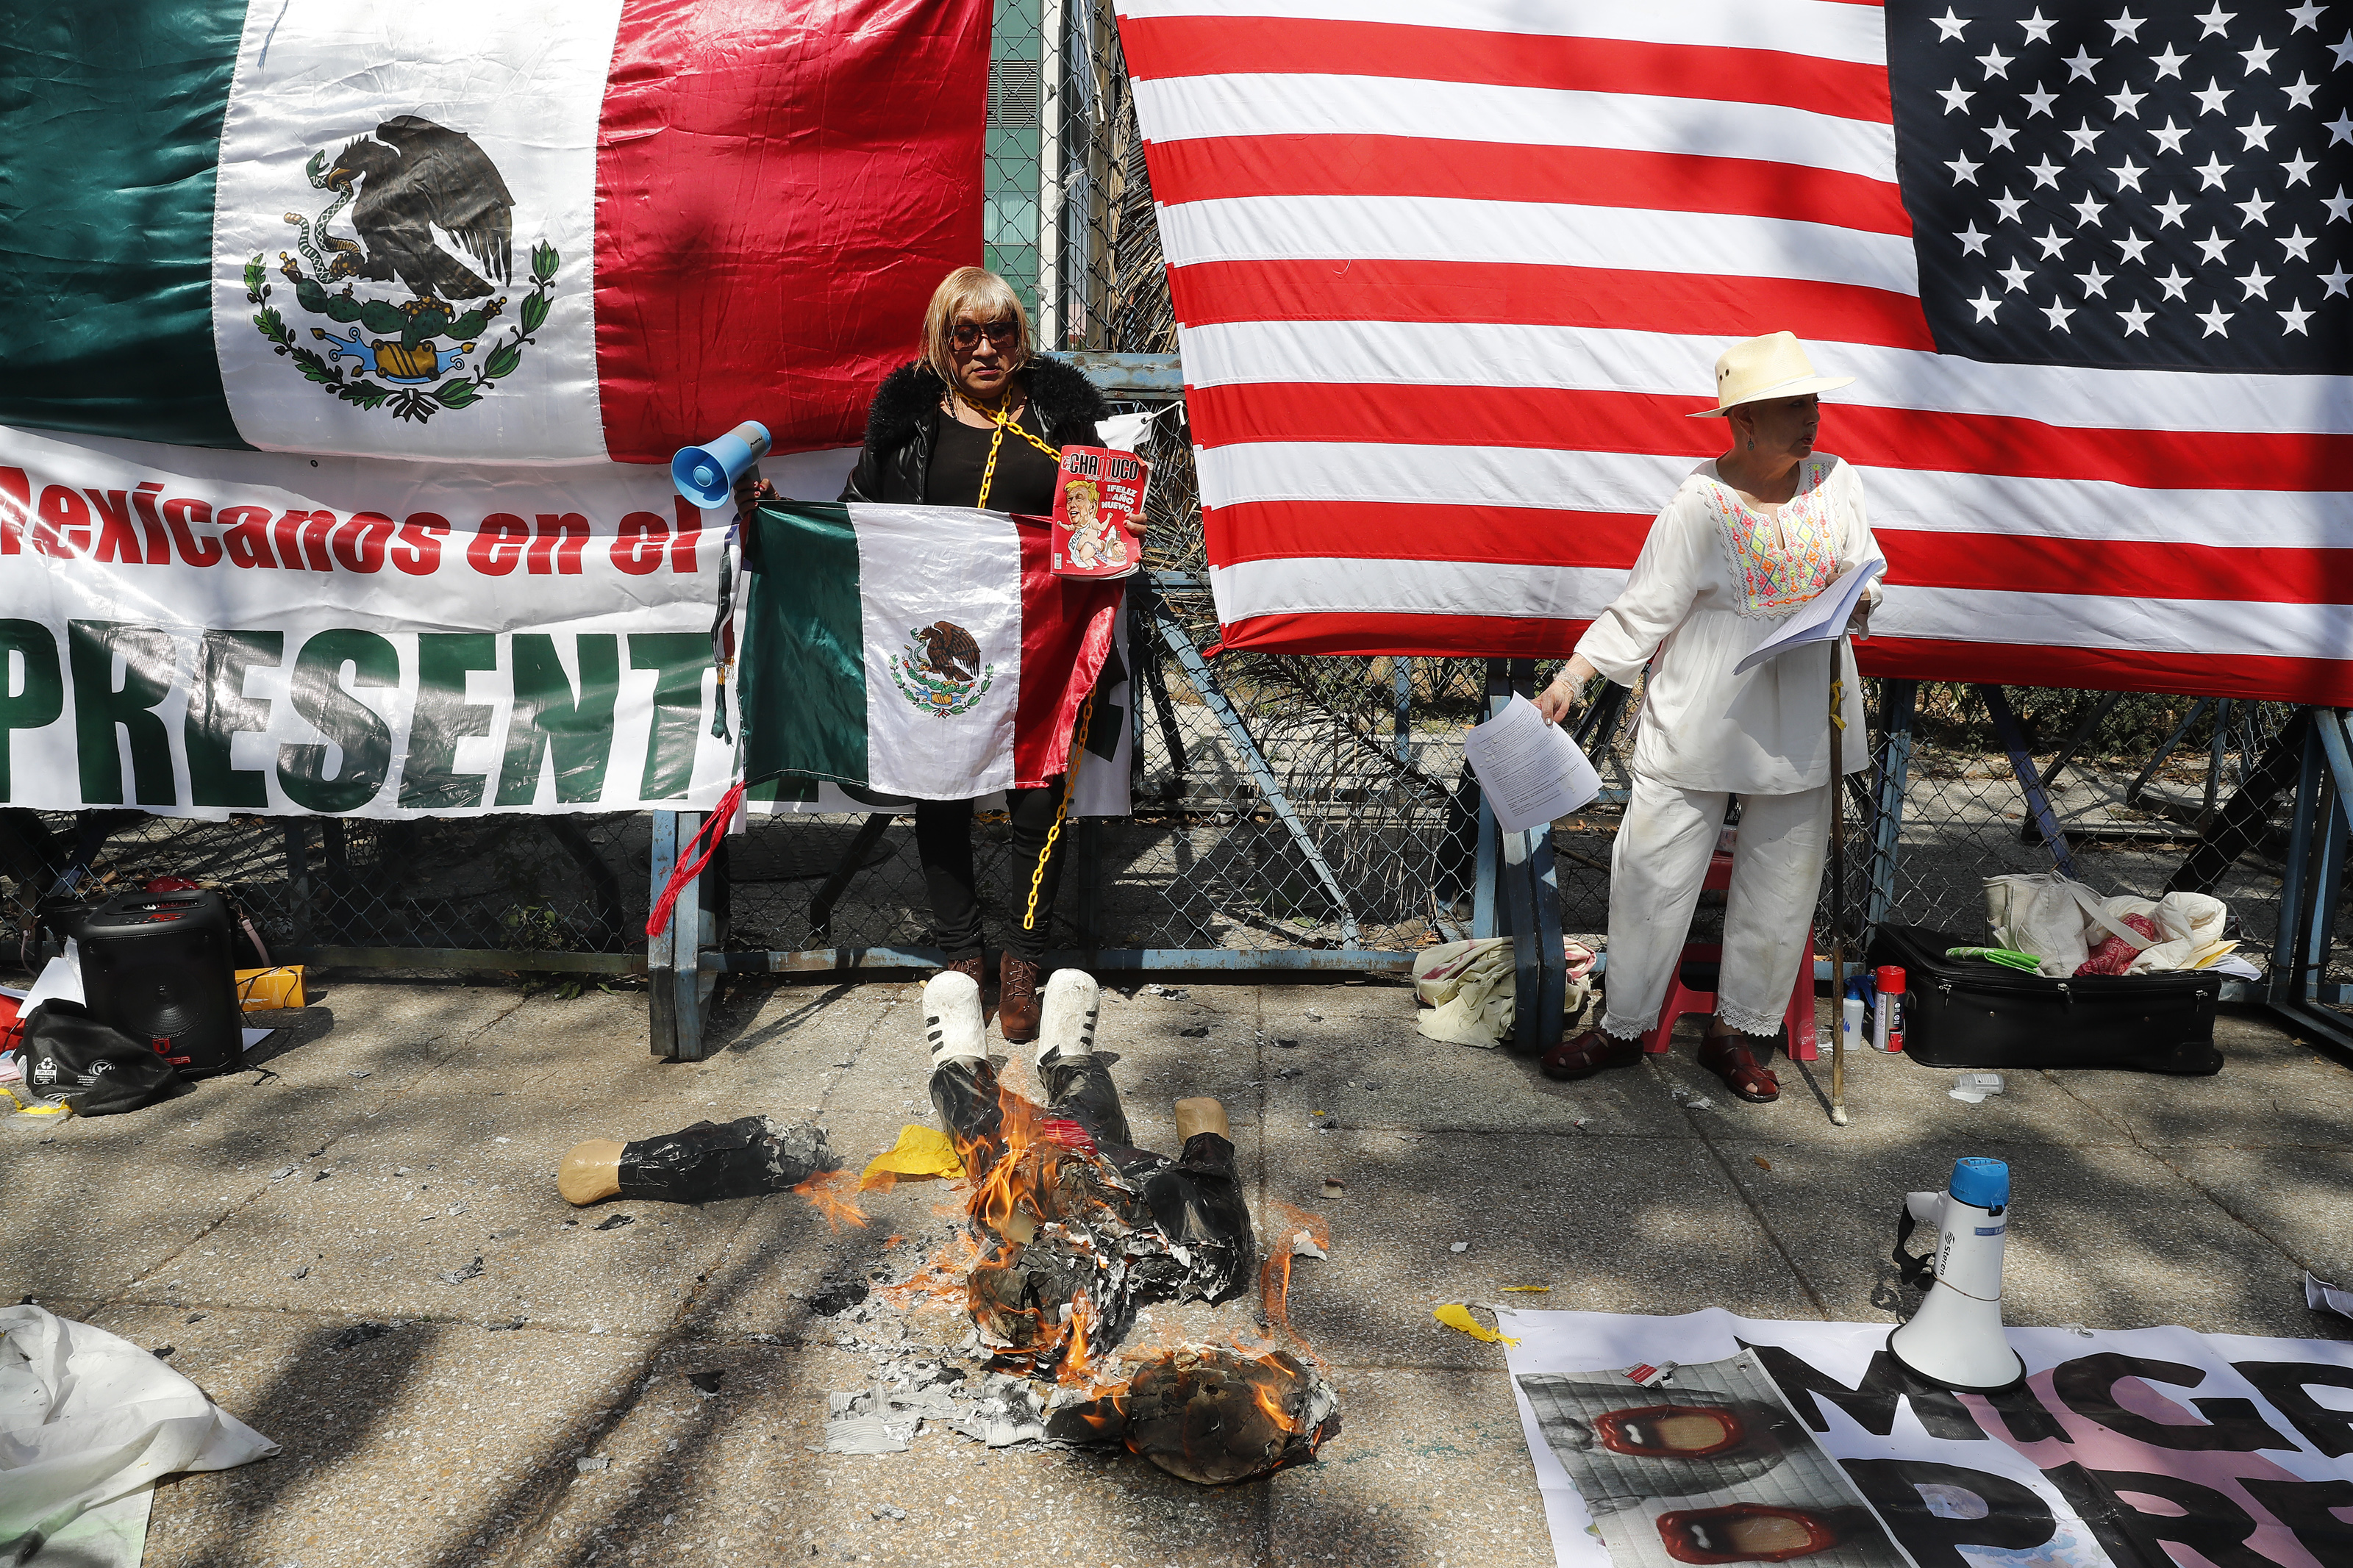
(904, 421)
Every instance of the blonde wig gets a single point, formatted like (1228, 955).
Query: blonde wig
(977, 292)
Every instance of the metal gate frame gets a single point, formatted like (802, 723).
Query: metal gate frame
(2295, 990)
(1517, 889)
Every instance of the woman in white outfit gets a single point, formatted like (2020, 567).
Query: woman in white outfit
(1749, 538)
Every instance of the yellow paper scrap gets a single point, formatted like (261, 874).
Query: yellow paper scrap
(1510, 1290)
(920, 1153)
(1455, 1315)
(36, 1107)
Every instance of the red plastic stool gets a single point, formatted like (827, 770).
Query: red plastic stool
(1682, 998)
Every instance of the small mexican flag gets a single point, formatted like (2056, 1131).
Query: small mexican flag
(913, 650)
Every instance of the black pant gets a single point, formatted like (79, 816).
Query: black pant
(1194, 1200)
(965, 1093)
(944, 844)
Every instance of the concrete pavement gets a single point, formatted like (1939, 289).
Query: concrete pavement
(403, 1130)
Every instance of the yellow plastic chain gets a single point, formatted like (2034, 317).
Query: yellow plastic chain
(997, 439)
(1070, 782)
(1086, 713)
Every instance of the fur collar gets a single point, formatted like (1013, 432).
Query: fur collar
(1064, 395)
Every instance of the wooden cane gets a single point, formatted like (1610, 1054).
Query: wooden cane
(1838, 891)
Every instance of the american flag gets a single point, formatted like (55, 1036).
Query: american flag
(1451, 273)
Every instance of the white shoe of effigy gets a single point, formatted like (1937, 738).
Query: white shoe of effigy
(952, 1017)
(1067, 1023)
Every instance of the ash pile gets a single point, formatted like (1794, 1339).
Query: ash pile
(1068, 1236)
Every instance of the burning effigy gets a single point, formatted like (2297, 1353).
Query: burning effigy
(1069, 1230)
(1076, 1226)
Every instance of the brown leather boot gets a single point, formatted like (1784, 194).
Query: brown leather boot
(976, 966)
(1016, 998)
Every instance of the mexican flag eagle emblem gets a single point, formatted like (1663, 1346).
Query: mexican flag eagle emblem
(433, 339)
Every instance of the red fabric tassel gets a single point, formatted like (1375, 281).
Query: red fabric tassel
(706, 841)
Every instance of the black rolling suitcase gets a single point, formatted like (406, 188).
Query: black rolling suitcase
(1967, 1013)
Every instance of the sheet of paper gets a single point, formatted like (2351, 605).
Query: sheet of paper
(1820, 619)
(1529, 770)
(60, 980)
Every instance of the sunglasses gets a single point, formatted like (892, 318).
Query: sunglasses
(1002, 333)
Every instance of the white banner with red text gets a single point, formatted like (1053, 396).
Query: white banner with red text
(201, 632)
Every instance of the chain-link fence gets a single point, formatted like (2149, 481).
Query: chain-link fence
(445, 894)
(1281, 803)
(1332, 812)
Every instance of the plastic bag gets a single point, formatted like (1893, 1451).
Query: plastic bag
(1198, 1205)
(710, 1161)
(2189, 925)
(88, 1423)
(2061, 922)
(71, 1059)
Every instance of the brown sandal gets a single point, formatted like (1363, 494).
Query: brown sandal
(1733, 1058)
(1589, 1053)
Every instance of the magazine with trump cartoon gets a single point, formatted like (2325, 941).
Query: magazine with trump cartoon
(1098, 512)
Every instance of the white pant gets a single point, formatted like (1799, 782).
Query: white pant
(1655, 873)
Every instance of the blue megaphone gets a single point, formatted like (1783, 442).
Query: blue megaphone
(707, 475)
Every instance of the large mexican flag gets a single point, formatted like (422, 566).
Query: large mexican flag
(481, 230)
(924, 652)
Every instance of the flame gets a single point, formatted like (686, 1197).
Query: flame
(939, 1284)
(1078, 1369)
(822, 1192)
(1022, 1172)
(1275, 1274)
(1274, 1409)
(1116, 1397)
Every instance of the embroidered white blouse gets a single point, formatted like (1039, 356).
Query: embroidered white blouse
(1715, 578)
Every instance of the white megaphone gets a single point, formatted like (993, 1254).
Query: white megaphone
(1954, 1339)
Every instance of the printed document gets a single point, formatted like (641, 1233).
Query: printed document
(1823, 618)
(1529, 771)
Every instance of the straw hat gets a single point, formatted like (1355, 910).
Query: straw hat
(1774, 365)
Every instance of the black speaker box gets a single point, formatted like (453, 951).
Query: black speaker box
(60, 918)
(158, 967)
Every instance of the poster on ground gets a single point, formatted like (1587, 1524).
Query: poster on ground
(1805, 1443)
